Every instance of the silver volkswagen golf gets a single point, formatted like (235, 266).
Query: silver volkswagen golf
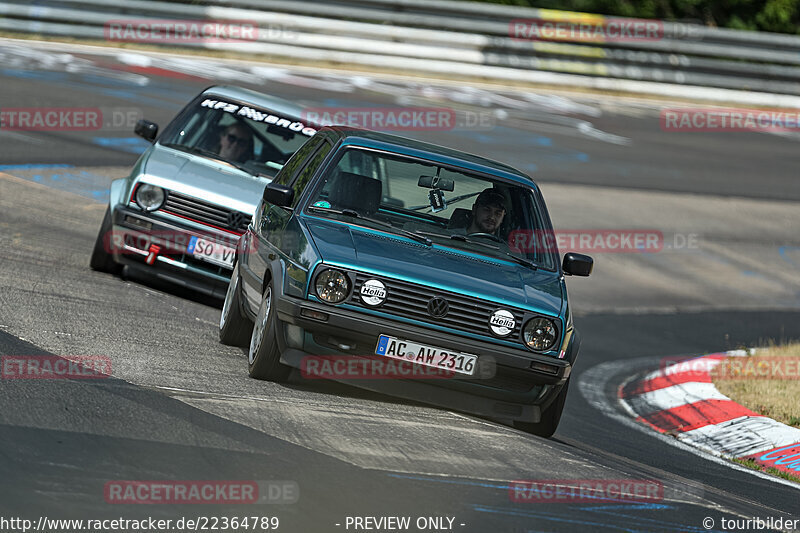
(181, 211)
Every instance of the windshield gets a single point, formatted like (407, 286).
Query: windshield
(451, 207)
(247, 137)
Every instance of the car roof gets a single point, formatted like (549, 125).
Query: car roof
(379, 140)
(272, 103)
(433, 152)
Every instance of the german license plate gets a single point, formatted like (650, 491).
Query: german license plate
(423, 354)
(211, 252)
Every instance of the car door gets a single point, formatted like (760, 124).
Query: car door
(277, 238)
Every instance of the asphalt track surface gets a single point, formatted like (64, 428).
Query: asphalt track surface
(181, 407)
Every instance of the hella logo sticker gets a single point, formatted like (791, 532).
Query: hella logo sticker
(502, 323)
(373, 292)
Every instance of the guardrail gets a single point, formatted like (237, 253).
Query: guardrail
(462, 39)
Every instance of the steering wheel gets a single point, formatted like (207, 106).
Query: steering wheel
(491, 236)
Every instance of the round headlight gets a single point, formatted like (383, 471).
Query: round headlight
(149, 197)
(332, 286)
(539, 334)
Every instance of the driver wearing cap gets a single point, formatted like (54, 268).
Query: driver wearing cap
(487, 212)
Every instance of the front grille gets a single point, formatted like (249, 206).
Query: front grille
(409, 300)
(204, 212)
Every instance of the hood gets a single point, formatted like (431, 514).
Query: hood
(443, 267)
(197, 176)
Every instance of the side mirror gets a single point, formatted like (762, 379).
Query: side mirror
(577, 264)
(279, 195)
(146, 130)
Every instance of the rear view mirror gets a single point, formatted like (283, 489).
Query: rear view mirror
(279, 195)
(577, 264)
(146, 130)
(435, 182)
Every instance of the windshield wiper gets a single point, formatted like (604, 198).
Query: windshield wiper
(458, 237)
(464, 238)
(522, 261)
(193, 150)
(519, 260)
(355, 214)
(205, 153)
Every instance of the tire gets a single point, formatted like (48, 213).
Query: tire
(263, 358)
(234, 328)
(550, 418)
(101, 260)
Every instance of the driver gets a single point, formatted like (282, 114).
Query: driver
(487, 212)
(236, 143)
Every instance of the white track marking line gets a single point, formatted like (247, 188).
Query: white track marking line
(742, 436)
(674, 396)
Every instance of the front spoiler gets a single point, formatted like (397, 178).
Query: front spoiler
(171, 264)
(470, 395)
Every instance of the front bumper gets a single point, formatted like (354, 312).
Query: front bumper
(135, 231)
(506, 387)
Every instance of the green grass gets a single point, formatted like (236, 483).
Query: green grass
(775, 397)
(753, 465)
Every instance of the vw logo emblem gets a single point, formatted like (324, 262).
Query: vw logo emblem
(438, 307)
(236, 219)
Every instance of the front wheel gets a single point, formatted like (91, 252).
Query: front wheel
(101, 260)
(234, 329)
(550, 418)
(264, 357)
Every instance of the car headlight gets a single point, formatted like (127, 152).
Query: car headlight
(149, 197)
(332, 286)
(540, 334)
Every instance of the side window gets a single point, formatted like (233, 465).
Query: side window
(305, 175)
(357, 162)
(284, 177)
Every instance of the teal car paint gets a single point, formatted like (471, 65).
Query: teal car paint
(366, 243)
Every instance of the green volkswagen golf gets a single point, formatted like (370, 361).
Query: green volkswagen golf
(409, 269)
